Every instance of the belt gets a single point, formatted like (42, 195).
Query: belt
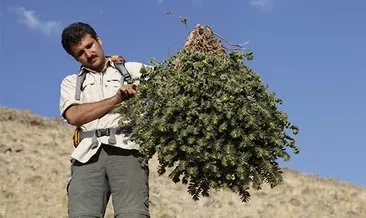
(96, 133)
(99, 132)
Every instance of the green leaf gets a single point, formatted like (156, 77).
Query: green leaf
(211, 121)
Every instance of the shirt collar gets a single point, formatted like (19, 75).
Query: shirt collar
(109, 63)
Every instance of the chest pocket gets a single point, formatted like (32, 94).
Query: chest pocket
(88, 89)
(112, 84)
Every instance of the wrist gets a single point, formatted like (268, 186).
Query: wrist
(117, 98)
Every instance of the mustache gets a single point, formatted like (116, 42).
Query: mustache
(91, 58)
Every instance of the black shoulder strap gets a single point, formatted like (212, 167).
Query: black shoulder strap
(126, 76)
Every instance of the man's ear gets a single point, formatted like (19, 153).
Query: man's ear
(99, 40)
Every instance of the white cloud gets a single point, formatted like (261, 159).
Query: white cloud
(262, 5)
(29, 18)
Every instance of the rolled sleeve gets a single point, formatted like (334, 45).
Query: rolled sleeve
(134, 68)
(67, 95)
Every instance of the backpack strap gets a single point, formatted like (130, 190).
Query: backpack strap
(79, 83)
(119, 63)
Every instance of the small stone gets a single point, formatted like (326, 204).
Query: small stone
(4, 148)
(295, 202)
(17, 147)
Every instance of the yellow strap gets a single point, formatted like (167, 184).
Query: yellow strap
(76, 137)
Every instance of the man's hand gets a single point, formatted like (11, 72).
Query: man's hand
(125, 92)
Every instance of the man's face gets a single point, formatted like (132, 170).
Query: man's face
(89, 53)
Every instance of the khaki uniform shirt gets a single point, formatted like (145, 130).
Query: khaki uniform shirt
(97, 86)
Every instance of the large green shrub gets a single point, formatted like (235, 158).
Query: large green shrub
(210, 118)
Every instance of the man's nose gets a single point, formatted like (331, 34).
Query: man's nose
(88, 53)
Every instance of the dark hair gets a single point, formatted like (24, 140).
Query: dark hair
(73, 34)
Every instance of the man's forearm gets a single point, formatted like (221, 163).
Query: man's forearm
(84, 113)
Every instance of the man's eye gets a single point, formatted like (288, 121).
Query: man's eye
(89, 45)
(80, 53)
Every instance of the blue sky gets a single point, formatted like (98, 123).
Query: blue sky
(311, 53)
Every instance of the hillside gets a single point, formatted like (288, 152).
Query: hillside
(34, 160)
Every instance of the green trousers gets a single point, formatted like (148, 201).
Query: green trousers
(112, 172)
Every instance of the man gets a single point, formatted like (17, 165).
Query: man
(105, 162)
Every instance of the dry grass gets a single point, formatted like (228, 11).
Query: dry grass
(34, 154)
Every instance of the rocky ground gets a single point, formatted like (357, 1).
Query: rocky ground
(34, 160)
